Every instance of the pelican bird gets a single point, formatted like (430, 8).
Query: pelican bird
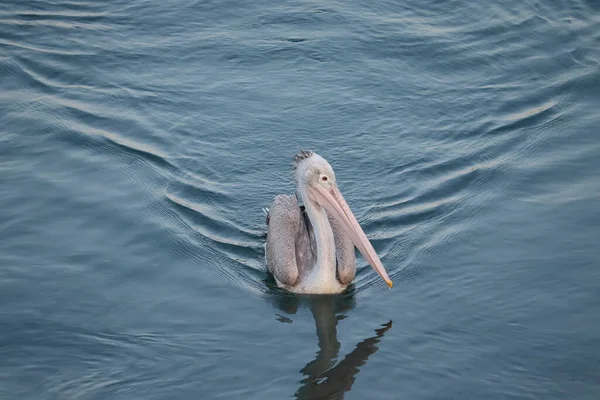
(310, 249)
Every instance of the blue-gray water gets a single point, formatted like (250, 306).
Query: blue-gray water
(139, 141)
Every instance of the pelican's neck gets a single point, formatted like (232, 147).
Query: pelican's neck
(324, 271)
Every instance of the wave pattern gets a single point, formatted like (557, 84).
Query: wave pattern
(139, 141)
(488, 96)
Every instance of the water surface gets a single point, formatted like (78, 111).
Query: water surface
(139, 141)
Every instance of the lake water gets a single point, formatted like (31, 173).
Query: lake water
(139, 141)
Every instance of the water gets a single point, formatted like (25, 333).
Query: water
(139, 141)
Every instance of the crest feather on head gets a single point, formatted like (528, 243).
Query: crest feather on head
(303, 155)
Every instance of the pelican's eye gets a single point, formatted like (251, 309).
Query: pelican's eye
(324, 178)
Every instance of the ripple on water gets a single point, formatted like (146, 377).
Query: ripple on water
(419, 221)
(438, 183)
(173, 194)
(198, 203)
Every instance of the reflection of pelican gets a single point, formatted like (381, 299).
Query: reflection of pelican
(323, 379)
(311, 249)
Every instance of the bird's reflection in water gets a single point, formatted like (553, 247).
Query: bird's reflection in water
(323, 378)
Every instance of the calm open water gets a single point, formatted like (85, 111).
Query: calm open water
(140, 139)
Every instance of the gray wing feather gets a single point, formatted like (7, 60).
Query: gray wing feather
(306, 245)
(290, 242)
(344, 248)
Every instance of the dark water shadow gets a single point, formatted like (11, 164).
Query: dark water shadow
(324, 377)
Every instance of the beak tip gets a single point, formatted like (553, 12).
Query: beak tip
(389, 283)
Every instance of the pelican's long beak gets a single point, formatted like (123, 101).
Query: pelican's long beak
(333, 201)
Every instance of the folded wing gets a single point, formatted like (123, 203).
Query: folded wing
(290, 246)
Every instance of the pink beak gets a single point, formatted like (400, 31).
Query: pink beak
(333, 201)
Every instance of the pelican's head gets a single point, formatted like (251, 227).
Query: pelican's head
(317, 185)
(312, 170)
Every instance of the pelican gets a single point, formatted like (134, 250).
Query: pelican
(310, 248)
